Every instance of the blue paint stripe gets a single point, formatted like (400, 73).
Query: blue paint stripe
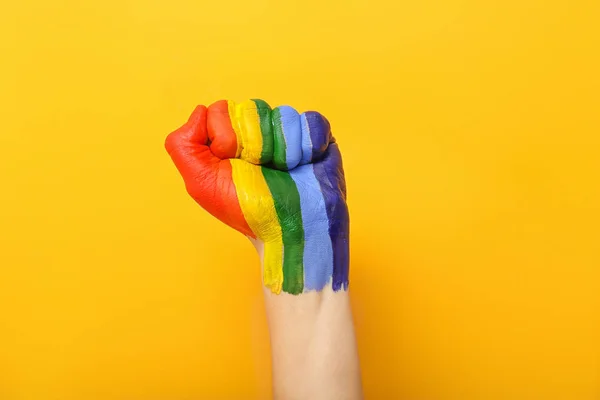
(290, 124)
(318, 249)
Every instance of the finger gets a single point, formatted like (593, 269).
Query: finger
(194, 160)
(264, 113)
(194, 130)
(252, 120)
(287, 138)
(316, 136)
(188, 142)
(224, 141)
(241, 130)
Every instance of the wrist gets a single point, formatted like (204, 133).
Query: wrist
(313, 345)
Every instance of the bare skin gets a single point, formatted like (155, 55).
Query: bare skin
(314, 352)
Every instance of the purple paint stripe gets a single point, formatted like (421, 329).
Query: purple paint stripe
(330, 175)
(306, 141)
(320, 133)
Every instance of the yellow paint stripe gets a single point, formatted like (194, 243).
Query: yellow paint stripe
(248, 121)
(236, 128)
(259, 211)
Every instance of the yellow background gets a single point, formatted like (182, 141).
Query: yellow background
(470, 133)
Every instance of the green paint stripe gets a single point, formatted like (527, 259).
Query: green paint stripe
(264, 113)
(287, 205)
(279, 156)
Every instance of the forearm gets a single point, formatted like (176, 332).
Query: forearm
(313, 346)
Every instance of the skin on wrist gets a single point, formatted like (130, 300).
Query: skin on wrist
(313, 345)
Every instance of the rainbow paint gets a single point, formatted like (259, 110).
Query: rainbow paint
(275, 175)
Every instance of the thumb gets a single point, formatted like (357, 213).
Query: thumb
(188, 149)
(208, 179)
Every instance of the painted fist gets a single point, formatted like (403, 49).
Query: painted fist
(275, 175)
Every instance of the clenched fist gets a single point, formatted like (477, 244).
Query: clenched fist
(275, 175)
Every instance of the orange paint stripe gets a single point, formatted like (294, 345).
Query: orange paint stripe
(224, 142)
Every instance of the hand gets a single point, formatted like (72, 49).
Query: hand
(277, 177)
